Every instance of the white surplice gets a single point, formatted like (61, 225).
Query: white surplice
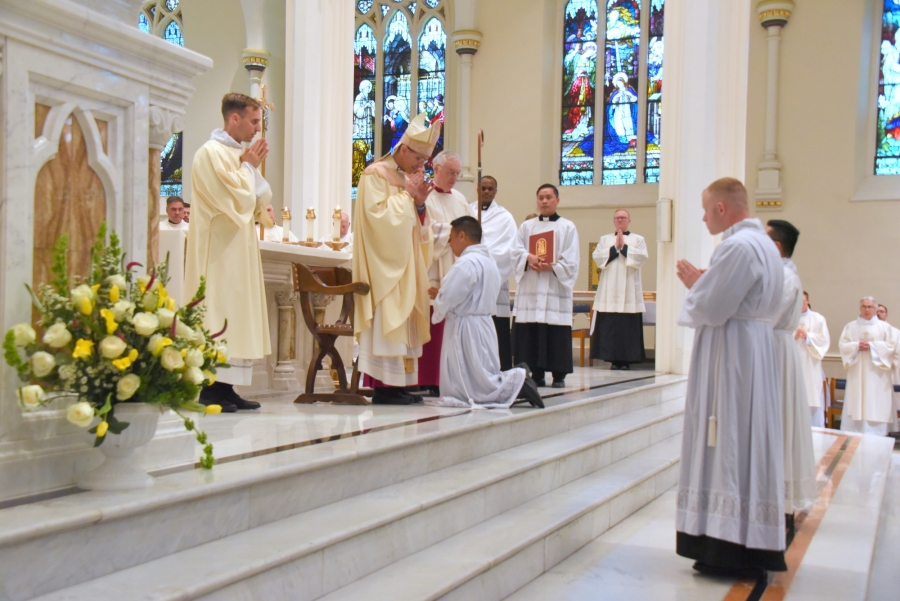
(442, 208)
(619, 289)
(894, 426)
(498, 233)
(800, 488)
(169, 226)
(734, 491)
(276, 234)
(546, 297)
(868, 398)
(470, 363)
(812, 351)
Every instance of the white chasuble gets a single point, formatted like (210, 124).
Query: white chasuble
(470, 363)
(227, 197)
(812, 350)
(498, 233)
(391, 252)
(734, 491)
(868, 398)
(619, 289)
(443, 207)
(546, 297)
(800, 488)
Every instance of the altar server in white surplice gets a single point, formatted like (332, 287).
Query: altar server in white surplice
(799, 460)
(499, 235)
(813, 340)
(544, 292)
(470, 367)
(868, 350)
(223, 247)
(730, 514)
(882, 314)
(175, 211)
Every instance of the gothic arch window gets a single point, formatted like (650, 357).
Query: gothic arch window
(162, 18)
(887, 135)
(627, 36)
(399, 66)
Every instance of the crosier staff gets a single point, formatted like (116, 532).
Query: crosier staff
(478, 184)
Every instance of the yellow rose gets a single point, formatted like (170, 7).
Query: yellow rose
(81, 414)
(83, 349)
(122, 364)
(57, 336)
(82, 293)
(110, 318)
(42, 364)
(102, 427)
(213, 409)
(127, 386)
(163, 296)
(86, 307)
(24, 334)
(133, 355)
(113, 297)
(112, 347)
(171, 359)
(30, 397)
(158, 343)
(145, 323)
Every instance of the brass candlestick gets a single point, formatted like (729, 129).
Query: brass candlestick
(335, 243)
(286, 226)
(310, 228)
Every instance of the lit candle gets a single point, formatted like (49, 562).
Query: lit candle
(336, 224)
(310, 223)
(286, 225)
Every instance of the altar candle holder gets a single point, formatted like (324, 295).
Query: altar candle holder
(310, 228)
(335, 243)
(286, 226)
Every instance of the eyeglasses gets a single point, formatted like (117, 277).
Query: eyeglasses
(620, 218)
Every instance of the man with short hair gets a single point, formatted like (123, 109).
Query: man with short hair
(444, 205)
(223, 248)
(175, 212)
(276, 232)
(544, 291)
(868, 350)
(617, 328)
(470, 367)
(499, 236)
(345, 234)
(731, 490)
(187, 212)
(813, 340)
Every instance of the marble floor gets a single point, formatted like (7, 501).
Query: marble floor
(831, 557)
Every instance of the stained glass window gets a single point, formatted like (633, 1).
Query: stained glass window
(385, 9)
(432, 67)
(364, 6)
(171, 4)
(579, 83)
(173, 34)
(432, 3)
(654, 90)
(397, 80)
(364, 65)
(887, 150)
(143, 24)
(412, 7)
(620, 127)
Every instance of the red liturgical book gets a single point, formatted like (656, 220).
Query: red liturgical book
(543, 246)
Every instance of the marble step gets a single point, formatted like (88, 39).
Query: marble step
(496, 558)
(338, 543)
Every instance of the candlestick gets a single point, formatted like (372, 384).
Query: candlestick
(286, 225)
(310, 225)
(336, 224)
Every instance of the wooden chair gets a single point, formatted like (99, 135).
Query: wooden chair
(835, 407)
(582, 334)
(335, 281)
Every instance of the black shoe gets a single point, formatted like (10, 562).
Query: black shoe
(430, 390)
(530, 393)
(558, 383)
(393, 396)
(527, 369)
(540, 382)
(746, 573)
(212, 396)
(625, 367)
(235, 399)
(615, 366)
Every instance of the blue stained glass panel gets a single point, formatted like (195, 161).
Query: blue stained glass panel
(385, 9)
(173, 34)
(620, 127)
(432, 3)
(364, 6)
(365, 49)
(654, 90)
(579, 88)
(143, 24)
(171, 4)
(397, 81)
(431, 81)
(412, 8)
(887, 140)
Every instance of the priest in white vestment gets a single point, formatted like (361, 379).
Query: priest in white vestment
(175, 213)
(470, 366)
(868, 350)
(730, 514)
(392, 248)
(544, 291)
(882, 313)
(229, 194)
(800, 488)
(444, 204)
(813, 341)
(617, 327)
(499, 235)
(276, 232)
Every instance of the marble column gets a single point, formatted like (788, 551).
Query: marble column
(703, 138)
(466, 43)
(163, 125)
(255, 62)
(285, 374)
(773, 15)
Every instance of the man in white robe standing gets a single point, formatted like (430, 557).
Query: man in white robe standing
(800, 488)
(813, 341)
(229, 194)
(868, 350)
(470, 366)
(730, 516)
(617, 328)
(175, 211)
(444, 204)
(544, 291)
(499, 235)
(882, 314)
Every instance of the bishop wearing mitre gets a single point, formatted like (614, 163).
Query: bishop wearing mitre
(392, 249)
(229, 194)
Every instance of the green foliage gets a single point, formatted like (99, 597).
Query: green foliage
(60, 267)
(12, 356)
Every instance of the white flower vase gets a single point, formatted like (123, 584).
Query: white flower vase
(120, 469)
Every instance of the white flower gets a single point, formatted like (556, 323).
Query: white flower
(166, 317)
(194, 358)
(30, 397)
(57, 336)
(112, 347)
(127, 386)
(122, 310)
(199, 336)
(81, 414)
(116, 280)
(145, 323)
(82, 292)
(171, 359)
(151, 344)
(183, 331)
(223, 348)
(194, 375)
(42, 363)
(149, 302)
(24, 334)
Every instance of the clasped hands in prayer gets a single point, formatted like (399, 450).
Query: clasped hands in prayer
(687, 273)
(418, 187)
(257, 153)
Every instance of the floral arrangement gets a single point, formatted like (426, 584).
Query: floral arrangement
(115, 338)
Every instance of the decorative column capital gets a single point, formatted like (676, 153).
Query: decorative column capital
(774, 12)
(163, 124)
(466, 41)
(255, 59)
